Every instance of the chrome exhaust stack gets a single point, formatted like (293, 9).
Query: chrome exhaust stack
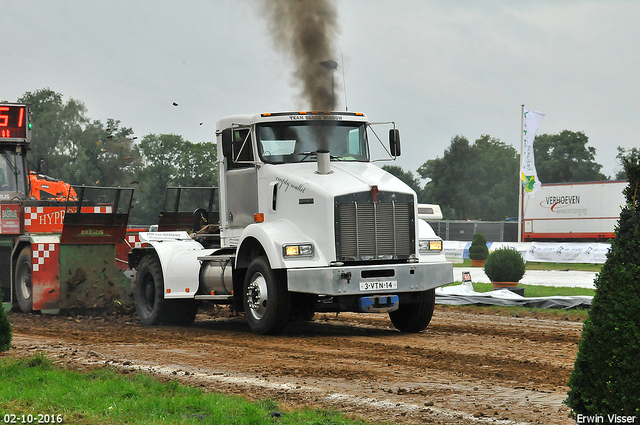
(324, 162)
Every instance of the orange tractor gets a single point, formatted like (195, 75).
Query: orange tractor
(44, 187)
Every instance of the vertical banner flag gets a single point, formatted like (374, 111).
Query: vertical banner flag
(528, 173)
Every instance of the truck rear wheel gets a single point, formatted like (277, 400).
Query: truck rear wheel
(22, 282)
(265, 297)
(414, 317)
(151, 306)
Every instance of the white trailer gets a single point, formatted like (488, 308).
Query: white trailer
(429, 212)
(573, 211)
(307, 223)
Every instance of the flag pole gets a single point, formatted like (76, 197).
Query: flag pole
(520, 200)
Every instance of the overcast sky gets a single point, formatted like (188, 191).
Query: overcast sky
(436, 68)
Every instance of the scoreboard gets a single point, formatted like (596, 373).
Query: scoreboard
(14, 121)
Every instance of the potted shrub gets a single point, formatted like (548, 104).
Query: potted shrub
(478, 251)
(504, 267)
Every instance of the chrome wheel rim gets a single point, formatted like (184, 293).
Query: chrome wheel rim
(257, 296)
(24, 281)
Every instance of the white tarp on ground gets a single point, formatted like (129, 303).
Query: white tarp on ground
(464, 294)
(546, 252)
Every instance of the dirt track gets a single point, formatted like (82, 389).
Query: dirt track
(465, 368)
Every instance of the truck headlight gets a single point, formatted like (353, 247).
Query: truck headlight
(430, 245)
(297, 250)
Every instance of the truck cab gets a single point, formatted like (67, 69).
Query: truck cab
(307, 223)
(13, 183)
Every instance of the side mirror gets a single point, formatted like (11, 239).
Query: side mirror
(394, 141)
(43, 164)
(227, 140)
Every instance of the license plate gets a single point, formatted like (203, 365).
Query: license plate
(377, 286)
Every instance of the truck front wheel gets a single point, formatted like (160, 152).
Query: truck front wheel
(151, 306)
(415, 317)
(265, 297)
(23, 288)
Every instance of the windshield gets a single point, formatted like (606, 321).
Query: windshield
(11, 178)
(298, 141)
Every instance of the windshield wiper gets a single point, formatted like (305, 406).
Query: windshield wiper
(306, 154)
(10, 163)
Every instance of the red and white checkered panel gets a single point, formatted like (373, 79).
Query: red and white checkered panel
(51, 219)
(41, 252)
(133, 241)
(45, 276)
(99, 210)
(31, 214)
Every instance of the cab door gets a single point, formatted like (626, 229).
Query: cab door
(240, 176)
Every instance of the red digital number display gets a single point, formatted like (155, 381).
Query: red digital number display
(13, 121)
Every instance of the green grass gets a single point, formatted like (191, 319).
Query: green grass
(36, 386)
(548, 266)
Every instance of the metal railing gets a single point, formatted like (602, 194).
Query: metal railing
(463, 230)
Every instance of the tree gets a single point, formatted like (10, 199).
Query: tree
(606, 376)
(80, 151)
(56, 126)
(115, 159)
(170, 160)
(565, 157)
(622, 154)
(198, 166)
(448, 185)
(474, 181)
(478, 249)
(406, 176)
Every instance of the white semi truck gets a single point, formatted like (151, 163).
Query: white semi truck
(307, 223)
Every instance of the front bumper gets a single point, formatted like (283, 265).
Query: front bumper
(373, 279)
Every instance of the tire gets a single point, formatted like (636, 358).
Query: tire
(152, 308)
(412, 318)
(265, 298)
(22, 281)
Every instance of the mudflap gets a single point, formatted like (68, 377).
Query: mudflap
(379, 303)
(89, 278)
(45, 287)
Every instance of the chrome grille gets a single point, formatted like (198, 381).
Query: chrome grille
(374, 231)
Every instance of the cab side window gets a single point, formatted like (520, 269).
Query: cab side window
(242, 150)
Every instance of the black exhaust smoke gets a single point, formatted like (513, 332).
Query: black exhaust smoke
(306, 31)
